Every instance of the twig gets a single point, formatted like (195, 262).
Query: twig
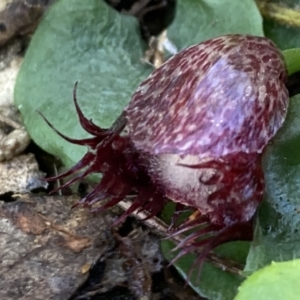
(9, 122)
(57, 181)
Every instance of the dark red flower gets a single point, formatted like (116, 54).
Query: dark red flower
(194, 133)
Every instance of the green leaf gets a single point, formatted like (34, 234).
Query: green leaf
(277, 237)
(281, 22)
(275, 282)
(292, 59)
(197, 20)
(284, 36)
(213, 282)
(83, 41)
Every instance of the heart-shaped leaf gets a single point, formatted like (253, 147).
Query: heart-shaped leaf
(84, 41)
(277, 236)
(197, 20)
(292, 59)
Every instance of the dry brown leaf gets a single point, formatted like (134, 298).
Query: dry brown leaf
(155, 54)
(76, 243)
(20, 175)
(85, 268)
(24, 217)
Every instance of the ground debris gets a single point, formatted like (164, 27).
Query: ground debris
(20, 17)
(131, 264)
(139, 251)
(44, 246)
(20, 175)
(13, 136)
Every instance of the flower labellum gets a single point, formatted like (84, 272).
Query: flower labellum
(193, 133)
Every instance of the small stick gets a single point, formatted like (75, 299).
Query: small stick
(57, 181)
(9, 122)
